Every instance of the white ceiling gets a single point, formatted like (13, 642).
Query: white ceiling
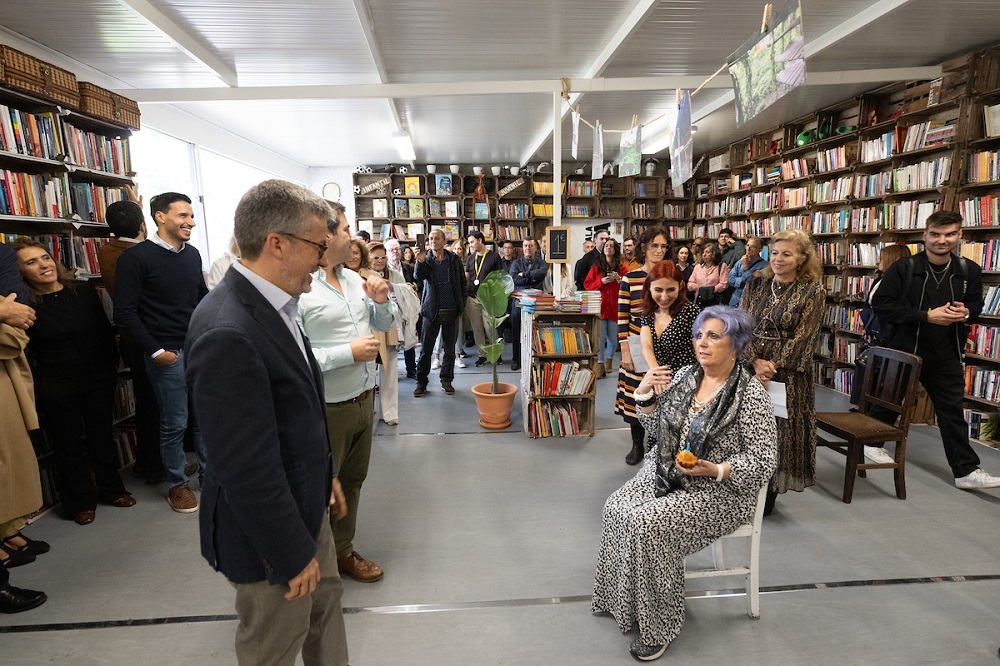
(148, 45)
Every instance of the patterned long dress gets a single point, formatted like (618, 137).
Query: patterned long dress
(629, 311)
(644, 538)
(673, 347)
(786, 331)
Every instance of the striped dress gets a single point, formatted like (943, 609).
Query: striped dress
(629, 312)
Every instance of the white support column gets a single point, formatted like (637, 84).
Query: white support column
(556, 180)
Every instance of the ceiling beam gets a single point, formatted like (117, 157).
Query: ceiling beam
(364, 13)
(640, 12)
(458, 89)
(182, 39)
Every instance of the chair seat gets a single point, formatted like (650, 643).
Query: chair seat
(857, 427)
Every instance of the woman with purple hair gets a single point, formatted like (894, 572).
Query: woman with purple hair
(714, 449)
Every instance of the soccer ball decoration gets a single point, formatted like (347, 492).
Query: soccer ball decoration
(357, 189)
(397, 192)
(402, 169)
(362, 169)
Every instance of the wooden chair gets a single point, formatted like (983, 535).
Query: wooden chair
(890, 381)
(751, 572)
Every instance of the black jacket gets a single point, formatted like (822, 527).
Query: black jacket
(424, 273)
(903, 314)
(583, 267)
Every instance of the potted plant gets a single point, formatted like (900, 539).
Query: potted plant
(494, 400)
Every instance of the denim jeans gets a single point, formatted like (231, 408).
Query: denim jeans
(609, 340)
(172, 397)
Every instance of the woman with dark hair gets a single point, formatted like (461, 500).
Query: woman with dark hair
(667, 318)
(787, 302)
(654, 246)
(359, 255)
(604, 277)
(709, 278)
(408, 256)
(684, 263)
(714, 450)
(74, 359)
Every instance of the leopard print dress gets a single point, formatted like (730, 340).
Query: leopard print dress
(644, 538)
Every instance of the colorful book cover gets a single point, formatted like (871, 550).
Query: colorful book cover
(412, 184)
(401, 208)
(443, 184)
(451, 208)
(482, 211)
(434, 207)
(413, 229)
(416, 208)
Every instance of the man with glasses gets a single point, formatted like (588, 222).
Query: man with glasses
(270, 490)
(338, 316)
(158, 284)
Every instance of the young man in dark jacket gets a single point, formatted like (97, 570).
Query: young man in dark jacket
(441, 305)
(925, 304)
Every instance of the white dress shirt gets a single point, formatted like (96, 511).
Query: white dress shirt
(286, 305)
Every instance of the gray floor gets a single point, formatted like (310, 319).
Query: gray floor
(489, 543)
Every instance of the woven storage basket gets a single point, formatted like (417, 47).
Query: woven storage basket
(31, 75)
(104, 104)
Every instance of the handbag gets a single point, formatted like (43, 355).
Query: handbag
(706, 296)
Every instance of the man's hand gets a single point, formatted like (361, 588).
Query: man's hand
(16, 314)
(338, 505)
(364, 349)
(133, 195)
(420, 253)
(746, 262)
(947, 314)
(167, 358)
(376, 288)
(305, 583)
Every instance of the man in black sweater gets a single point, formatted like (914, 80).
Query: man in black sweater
(588, 260)
(481, 262)
(159, 283)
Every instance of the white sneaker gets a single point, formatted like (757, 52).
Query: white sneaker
(435, 363)
(878, 455)
(978, 479)
(460, 363)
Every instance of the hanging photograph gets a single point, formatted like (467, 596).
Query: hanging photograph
(597, 169)
(770, 65)
(630, 158)
(682, 146)
(576, 133)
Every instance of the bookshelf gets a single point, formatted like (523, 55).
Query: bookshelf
(543, 356)
(59, 170)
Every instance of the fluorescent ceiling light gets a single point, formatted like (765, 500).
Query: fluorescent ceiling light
(659, 134)
(404, 146)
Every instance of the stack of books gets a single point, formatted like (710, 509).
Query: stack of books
(568, 306)
(535, 300)
(590, 302)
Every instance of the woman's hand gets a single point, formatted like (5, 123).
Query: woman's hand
(764, 370)
(701, 468)
(607, 279)
(627, 359)
(659, 378)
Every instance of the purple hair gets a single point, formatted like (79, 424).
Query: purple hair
(737, 324)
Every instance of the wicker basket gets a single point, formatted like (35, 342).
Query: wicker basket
(104, 104)
(31, 75)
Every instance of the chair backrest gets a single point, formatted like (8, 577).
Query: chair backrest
(890, 382)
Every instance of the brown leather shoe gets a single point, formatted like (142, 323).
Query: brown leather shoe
(356, 567)
(85, 517)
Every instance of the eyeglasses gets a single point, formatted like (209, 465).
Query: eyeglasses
(320, 247)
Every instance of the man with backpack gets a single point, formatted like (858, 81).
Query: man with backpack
(924, 304)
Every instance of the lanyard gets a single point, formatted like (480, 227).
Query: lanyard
(479, 263)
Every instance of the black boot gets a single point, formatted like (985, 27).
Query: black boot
(635, 456)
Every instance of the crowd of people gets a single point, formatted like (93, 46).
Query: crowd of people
(303, 326)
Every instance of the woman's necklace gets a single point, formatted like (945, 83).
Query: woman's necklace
(776, 291)
(697, 405)
(939, 277)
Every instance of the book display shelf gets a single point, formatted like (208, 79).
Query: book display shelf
(515, 207)
(558, 371)
(865, 173)
(59, 170)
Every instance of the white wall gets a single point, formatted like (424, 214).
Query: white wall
(343, 176)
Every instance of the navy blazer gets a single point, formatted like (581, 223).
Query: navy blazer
(261, 410)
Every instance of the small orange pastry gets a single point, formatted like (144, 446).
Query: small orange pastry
(687, 459)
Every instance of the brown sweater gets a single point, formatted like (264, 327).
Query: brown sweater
(107, 257)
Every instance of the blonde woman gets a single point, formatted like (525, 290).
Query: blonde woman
(787, 303)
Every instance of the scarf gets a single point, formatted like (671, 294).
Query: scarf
(707, 426)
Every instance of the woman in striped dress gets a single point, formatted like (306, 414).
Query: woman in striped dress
(654, 245)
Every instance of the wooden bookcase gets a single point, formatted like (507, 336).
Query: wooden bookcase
(534, 400)
(60, 171)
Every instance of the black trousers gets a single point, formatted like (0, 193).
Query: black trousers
(942, 377)
(446, 323)
(77, 419)
(147, 412)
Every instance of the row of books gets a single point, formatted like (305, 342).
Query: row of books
(673, 211)
(768, 175)
(793, 197)
(872, 185)
(796, 168)
(766, 200)
(678, 232)
(932, 173)
(991, 300)
(581, 188)
(560, 340)
(514, 211)
(824, 344)
(31, 134)
(831, 222)
(579, 210)
(926, 135)
(982, 382)
(846, 350)
(830, 253)
(551, 418)
(411, 208)
(843, 318)
(835, 189)
(35, 195)
(124, 406)
(742, 181)
(873, 150)
(984, 166)
(553, 379)
(833, 283)
(839, 157)
(98, 152)
(909, 214)
(90, 201)
(983, 340)
(986, 254)
(645, 210)
(983, 425)
(858, 287)
(58, 245)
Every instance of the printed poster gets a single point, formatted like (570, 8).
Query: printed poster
(597, 170)
(630, 158)
(576, 133)
(682, 145)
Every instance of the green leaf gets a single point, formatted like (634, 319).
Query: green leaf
(493, 350)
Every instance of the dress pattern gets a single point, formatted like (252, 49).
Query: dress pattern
(629, 312)
(644, 538)
(787, 327)
(673, 347)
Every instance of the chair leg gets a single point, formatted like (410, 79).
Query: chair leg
(718, 561)
(753, 578)
(854, 453)
(899, 474)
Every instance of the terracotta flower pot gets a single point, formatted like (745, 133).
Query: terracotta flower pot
(494, 409)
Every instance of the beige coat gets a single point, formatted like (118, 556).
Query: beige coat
(20, 488)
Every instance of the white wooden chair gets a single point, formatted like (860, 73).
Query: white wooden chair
(751, 571)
